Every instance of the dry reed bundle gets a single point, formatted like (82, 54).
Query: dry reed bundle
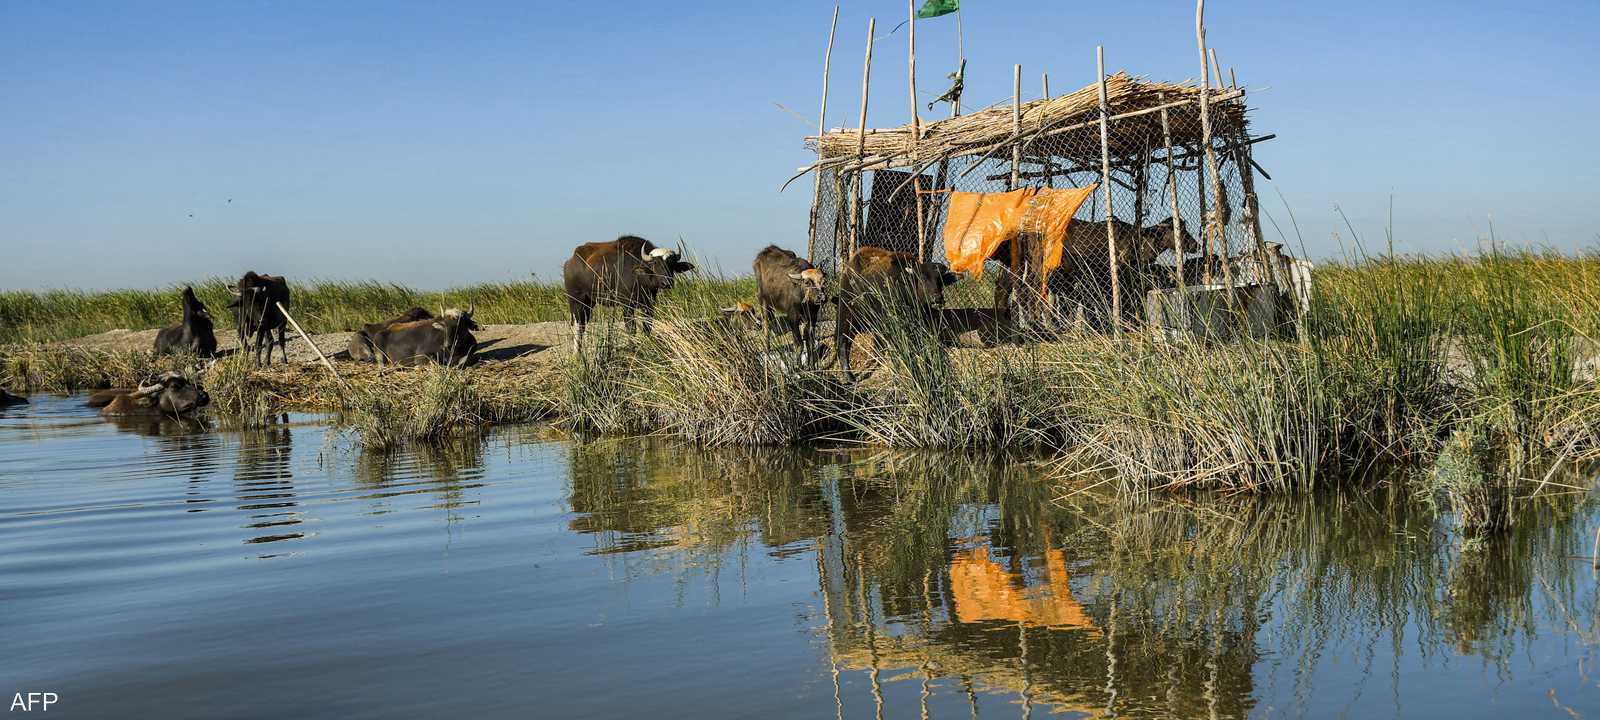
(982, 131)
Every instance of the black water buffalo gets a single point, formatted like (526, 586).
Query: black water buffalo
(446, 340)
(194, 335)
(9, 399)
(789, 286)
(627, 272)
(360, 347)
(256, 313)
(169, 394)
(877, 283)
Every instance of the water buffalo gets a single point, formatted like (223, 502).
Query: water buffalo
(741, 316)
(360, 347)
(877, 283)
(194, 335)
(446, 340)
(169, 394)
(989, 326)
(789, 286)
(256, 314)
(9, 399)
(627, 272)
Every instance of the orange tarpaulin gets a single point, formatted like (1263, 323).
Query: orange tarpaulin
(978, 222)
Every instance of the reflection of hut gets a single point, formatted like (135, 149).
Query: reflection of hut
(984, 590)
(1154, 150)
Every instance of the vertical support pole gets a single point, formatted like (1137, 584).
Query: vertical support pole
(1016, 125)
(861, 143)
(822, 127)
(916, 136)
(1216, 68)
(1172, 198)
(1213, 225)
(1105, 186)
(1049, 170)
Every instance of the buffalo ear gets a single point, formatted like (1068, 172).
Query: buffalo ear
(679, 266)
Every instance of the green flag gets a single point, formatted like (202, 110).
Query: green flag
(935, 8)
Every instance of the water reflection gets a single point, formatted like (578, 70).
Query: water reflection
(964, 576)
(263, 479)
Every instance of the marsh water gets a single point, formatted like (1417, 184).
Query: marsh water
(178, 570)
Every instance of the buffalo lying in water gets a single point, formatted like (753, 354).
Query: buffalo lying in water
(446, 340)
(9, 399)
(360, 347)
(194, 335)
(627, 272)
(169, 394)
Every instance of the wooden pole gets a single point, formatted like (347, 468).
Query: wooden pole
(1049, 173)
(1213, 225)
(1105, 185)
(1216, 68)
(916, 135)
(822, 127)
(313, 345)
(861, 141)
(1016, 124)
(1172, 198)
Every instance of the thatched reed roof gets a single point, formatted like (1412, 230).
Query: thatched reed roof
(1071, 121)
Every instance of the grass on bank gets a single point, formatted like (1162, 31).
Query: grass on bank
(1434, 365)
(320, 306)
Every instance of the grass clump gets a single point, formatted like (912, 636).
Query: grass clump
(443, 404)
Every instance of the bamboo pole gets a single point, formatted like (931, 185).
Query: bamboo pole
(313, 345)
(1213, 226)
(822, 126)
(1172, 198)
(1105, 186)
(1049, 174)
(1016, 123)
(861, 141)
(916, 134)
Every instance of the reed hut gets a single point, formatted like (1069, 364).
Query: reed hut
(1150, 150)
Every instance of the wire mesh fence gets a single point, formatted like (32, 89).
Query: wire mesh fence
(1158, 170)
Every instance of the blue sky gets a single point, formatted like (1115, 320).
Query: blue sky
(437, 144)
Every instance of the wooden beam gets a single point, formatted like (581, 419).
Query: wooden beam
(861, 141)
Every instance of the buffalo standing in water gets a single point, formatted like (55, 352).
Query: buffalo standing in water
(169, 394)
(627, 272)
(360, 347)
(877, 283)
(446, 340)
(791, 287)
(194, 335)
(256, 313)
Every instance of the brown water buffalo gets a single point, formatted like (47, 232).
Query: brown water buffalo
(194, 335)
(627, 272)
(169, 394)
(741, 316)
(360, 347)
(988, 326)
(256, 314)
(790, 287)
(877, 283)
(446, 340)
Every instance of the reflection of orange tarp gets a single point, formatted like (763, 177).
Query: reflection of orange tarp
(977, 223)
(983, 590)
